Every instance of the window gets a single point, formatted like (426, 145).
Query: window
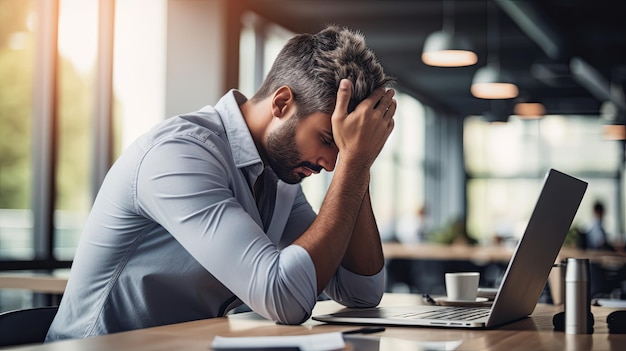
(17, 54)
(506, 163)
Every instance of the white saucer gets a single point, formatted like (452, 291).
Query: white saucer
(444, 301)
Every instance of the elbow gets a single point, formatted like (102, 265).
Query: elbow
(289, 310)
(287, 303)
(375, 299)
(287, 292)
(377, 289)
(284, 309)
(378, 295)
(296, 317)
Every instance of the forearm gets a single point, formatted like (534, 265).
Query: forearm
(364, 254)
(327, 239)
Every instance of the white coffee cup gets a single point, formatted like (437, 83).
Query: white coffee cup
(462, 286)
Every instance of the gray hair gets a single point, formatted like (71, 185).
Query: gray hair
(313, 65)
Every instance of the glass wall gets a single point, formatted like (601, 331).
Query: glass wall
(17, 54)
(139, 80)
(77, 37)
(506, 163)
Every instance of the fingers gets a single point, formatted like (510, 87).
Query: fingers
(343, 98)
(390, 110)
(380, 100)
(386, 103)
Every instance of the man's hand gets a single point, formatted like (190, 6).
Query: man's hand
(361, 135)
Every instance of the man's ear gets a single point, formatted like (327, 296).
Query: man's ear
(281, 101)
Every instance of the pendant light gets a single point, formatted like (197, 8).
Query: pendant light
(614, 132)
(490, 81)
(529, 110)
(446, 49)
(526, 107)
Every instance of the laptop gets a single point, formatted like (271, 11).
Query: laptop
(524, 278)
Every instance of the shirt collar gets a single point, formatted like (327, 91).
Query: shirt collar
(242, 145)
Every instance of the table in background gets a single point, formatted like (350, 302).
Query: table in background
(534, 333)
(486, 253)
(50, 283)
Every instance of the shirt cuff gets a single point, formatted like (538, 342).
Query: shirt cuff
(355, 290)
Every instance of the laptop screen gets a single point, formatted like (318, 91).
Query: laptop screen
(528, 270)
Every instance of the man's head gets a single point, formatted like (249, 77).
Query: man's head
(598, 209)
(307, 72)
(312, 65)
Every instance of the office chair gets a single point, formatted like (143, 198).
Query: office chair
(26, 326)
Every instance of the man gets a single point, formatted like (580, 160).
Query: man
(596, 238)
(205, 211)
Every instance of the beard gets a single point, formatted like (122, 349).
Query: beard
(283, 155)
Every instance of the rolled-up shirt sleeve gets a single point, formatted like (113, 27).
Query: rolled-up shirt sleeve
(354, 290)
(190, 196)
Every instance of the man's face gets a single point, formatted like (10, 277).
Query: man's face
(300, 147)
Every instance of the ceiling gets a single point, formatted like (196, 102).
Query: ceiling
(566, 54)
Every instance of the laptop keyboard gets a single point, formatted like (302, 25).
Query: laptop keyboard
(450, 313)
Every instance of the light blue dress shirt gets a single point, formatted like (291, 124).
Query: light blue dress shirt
(175, 235)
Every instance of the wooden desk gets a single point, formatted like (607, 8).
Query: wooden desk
(535, 333)
(49, 283)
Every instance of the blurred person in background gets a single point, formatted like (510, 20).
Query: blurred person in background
(595, 236)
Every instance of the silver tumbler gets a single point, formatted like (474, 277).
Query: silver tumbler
(577, 297)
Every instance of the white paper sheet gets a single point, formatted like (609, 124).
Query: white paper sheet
(311, 342)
